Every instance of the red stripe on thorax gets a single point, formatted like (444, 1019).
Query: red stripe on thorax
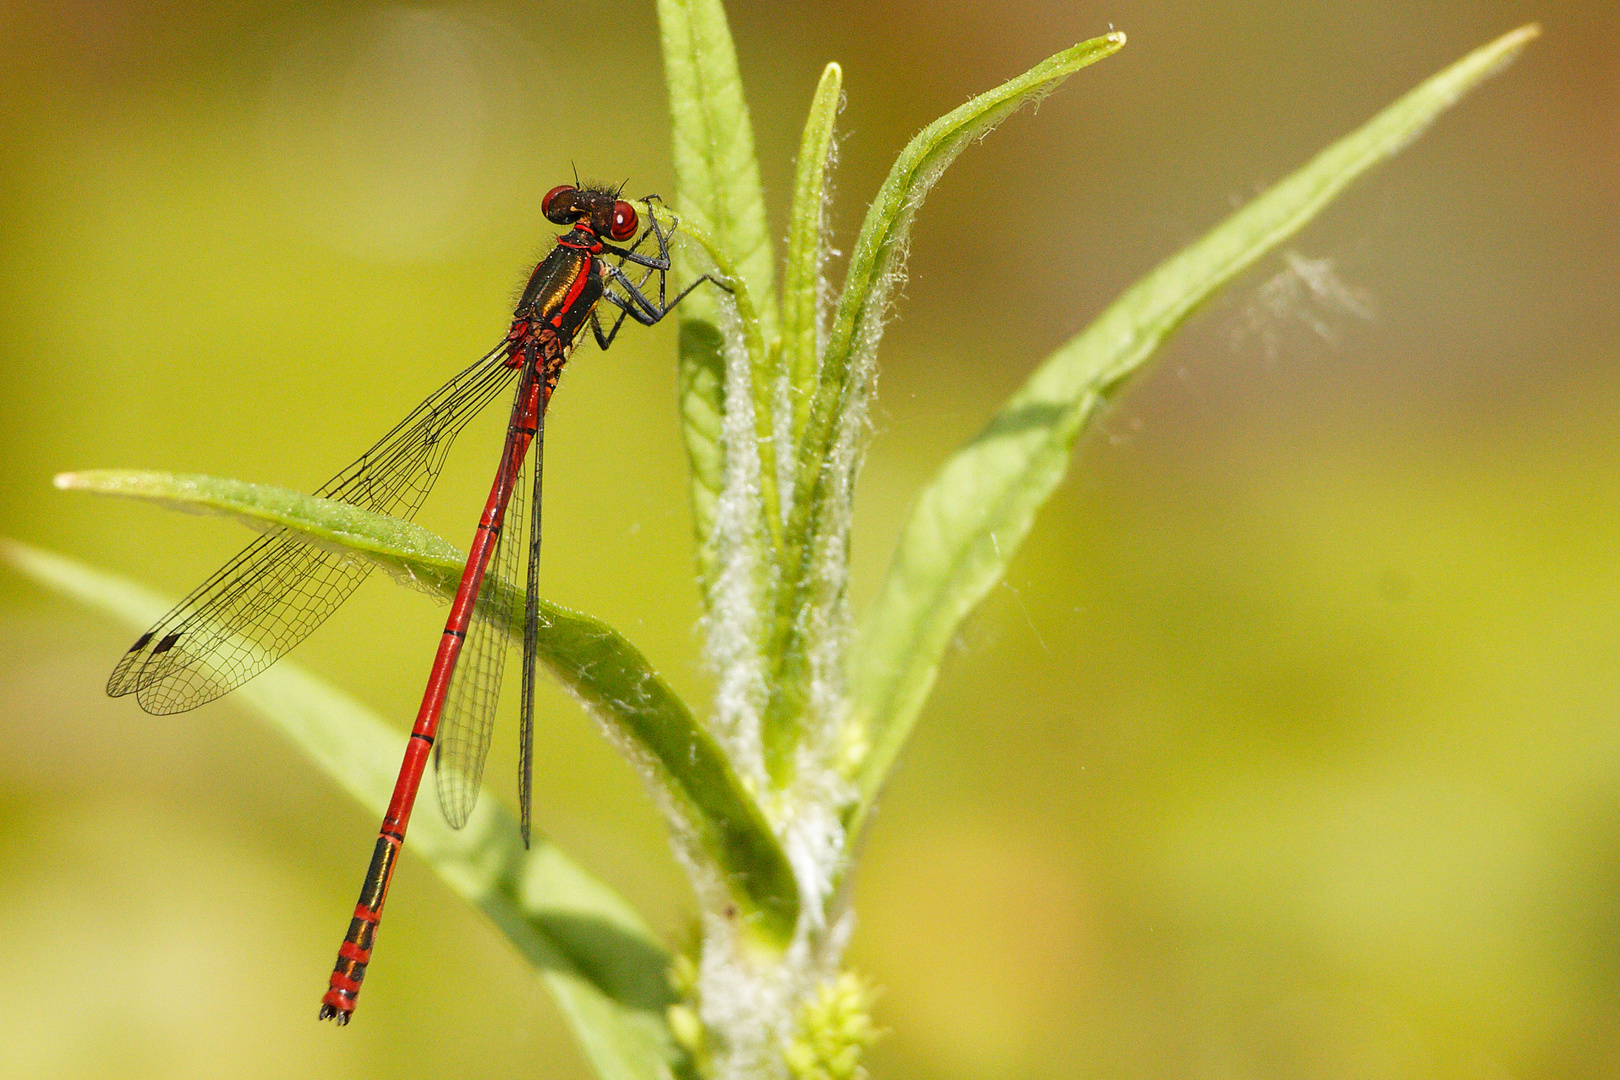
(574, 289)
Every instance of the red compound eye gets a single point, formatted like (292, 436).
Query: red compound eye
(624, 221)
(557, 206)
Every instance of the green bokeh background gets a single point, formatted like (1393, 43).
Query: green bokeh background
(1287, 749)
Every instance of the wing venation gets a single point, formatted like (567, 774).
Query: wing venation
(275, 591)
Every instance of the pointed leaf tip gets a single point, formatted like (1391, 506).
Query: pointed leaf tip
(973, 515)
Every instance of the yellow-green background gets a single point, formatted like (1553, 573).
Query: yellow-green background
(1289, 747)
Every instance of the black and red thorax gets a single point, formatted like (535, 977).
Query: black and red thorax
(556, 304)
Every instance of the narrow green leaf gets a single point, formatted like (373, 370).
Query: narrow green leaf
(974, 514)
(813, 592)
(701, 368)
(407, 552)
(715, 169)
(801, 276)
(874, 261)
(590, 658)
(719, 193)
(605, 968)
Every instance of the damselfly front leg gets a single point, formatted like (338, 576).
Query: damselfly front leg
(636, 303)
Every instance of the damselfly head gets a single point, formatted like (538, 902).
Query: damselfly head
(598, 208)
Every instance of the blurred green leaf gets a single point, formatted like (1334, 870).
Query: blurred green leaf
(971, 518)
(601, 962)
(589, 657)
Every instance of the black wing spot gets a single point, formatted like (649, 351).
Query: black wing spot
(278, 589)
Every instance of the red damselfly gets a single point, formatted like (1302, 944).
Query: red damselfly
(278, 589)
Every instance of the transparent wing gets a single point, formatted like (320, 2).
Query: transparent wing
(531, 632)
(466, 727)
(276, 590)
